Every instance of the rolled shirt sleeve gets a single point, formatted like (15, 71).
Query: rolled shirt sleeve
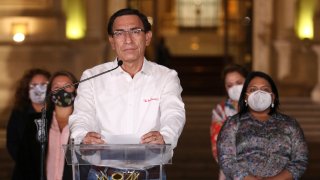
(172, 110)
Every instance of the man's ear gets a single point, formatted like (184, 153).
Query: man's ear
(148, 38)
(111, 40)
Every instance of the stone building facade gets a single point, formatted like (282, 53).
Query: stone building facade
(276, 49)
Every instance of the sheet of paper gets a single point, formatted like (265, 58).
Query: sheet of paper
(121, 139)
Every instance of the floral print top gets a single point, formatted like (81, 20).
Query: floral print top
(219, 115)
(249, 146)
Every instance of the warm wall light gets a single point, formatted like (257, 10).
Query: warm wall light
(194, 43)
(150, 19)
(76, 18)
(304, 24)
(19, 31)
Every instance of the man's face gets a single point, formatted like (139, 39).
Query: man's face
(129, 39)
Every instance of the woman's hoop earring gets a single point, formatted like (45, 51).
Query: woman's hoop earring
(272, 105)
(246, 102)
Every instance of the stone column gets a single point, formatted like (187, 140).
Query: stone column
(263, 18)
(96, 21)
(286, 36)
(315, 94)
(316, 22)
(283, 49)
(288, 10)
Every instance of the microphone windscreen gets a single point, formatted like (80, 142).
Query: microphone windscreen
(120, 62)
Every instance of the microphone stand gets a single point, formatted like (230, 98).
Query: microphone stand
(42, 138)
(42, 131)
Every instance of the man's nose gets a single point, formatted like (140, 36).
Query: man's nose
(127, 36)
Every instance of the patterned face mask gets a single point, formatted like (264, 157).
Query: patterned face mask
(63, 98)
(37, 93)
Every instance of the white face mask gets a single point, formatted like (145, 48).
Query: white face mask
(37, 94)
(259, 100)
(235, 91)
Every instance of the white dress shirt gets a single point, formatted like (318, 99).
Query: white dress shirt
(117, 104)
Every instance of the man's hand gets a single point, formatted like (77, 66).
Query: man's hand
(92, 138)
(153, 137)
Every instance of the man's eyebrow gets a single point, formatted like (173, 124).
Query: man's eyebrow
(118, 30)
(128, 29)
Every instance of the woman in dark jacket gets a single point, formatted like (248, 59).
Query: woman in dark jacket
(59, 105)
(28, 103)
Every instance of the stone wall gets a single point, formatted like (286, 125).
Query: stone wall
(15, 60)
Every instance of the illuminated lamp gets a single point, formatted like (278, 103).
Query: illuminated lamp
(19, 32)
(304, 24)
(75, 19)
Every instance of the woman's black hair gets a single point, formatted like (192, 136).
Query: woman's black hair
(243, 108)
(129, 11)
(50, 104)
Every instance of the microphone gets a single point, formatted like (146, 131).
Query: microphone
(41, 123)
(42, 135)
(120, 62)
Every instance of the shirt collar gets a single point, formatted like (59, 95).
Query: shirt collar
(119, 70)
(146, 67)
(55, 126)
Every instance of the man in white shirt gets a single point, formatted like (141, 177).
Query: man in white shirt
(140, 98)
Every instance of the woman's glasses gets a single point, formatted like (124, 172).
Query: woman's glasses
(33, 85)
(253, 89)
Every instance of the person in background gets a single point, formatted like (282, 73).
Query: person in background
(260, 142)
(28, 102)
(60, 107)
(141, 98)
(233, 76)
(162, 54)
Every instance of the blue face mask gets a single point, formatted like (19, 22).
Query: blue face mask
(37, 93)
(63, 98)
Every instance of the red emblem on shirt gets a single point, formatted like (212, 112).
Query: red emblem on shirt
(151, 99)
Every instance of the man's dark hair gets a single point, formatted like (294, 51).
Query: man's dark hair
(129, 11)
